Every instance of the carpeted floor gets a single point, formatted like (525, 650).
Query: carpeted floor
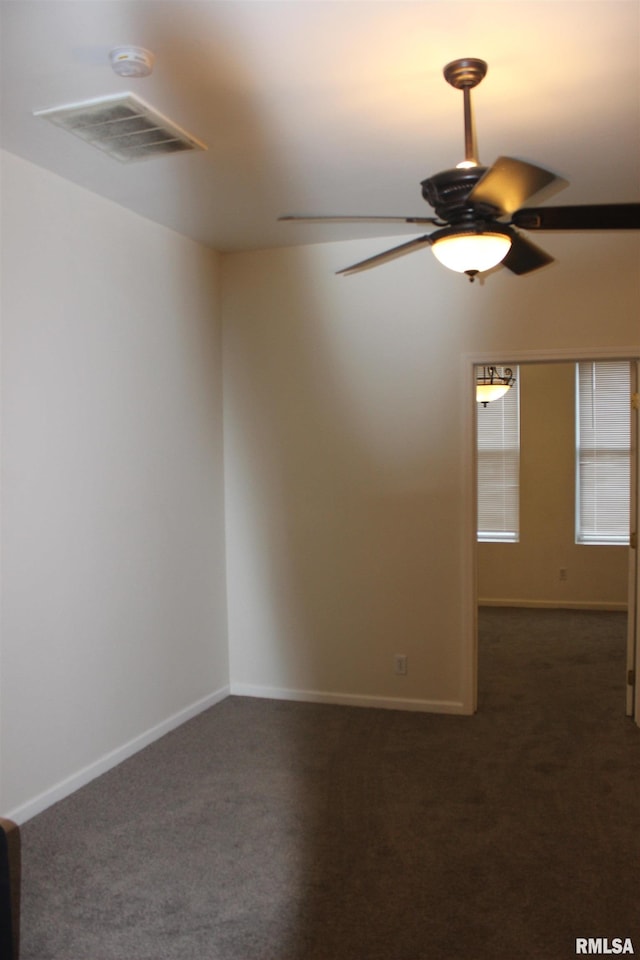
(266, 830)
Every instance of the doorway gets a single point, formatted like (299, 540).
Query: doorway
(546, 568)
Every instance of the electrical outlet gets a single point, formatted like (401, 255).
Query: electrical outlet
(400, 664)
(563, 573)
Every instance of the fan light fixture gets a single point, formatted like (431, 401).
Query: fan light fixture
(492, 385)
(470, 251)
(471, 203)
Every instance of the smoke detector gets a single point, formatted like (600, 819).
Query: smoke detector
(131, 61)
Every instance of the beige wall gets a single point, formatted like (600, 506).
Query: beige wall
(348, 453)
(528, 572)
(113, 587)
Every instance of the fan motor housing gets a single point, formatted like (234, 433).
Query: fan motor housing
(447, 193)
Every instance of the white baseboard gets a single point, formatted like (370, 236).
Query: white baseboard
(349, 699)
(554, 604)
(70, 784)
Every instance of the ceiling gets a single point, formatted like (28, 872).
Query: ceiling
(327, 106)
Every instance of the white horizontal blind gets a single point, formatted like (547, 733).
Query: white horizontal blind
(499, 466)
(603, 456)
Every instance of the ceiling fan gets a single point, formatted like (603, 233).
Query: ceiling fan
(478, 208)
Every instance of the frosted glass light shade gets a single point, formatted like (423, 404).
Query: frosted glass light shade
(486, 392)
(471, 252)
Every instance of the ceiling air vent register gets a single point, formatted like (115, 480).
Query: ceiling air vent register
(123, 126)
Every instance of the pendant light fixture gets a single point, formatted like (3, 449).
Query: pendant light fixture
(493, 384)
(468, 248)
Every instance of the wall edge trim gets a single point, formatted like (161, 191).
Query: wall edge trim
(349, 699)
(554, 604)
(25, 811)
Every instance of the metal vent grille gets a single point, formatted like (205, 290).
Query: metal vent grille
(123, 126)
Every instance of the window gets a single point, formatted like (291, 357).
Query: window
(499, 466)
(603, 455)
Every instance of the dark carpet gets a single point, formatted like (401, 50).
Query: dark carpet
(265, 830)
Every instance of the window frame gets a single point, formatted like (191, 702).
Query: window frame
(509, 511)
(588, 535)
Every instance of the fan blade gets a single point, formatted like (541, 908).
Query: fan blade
(509, 183)
(357, 219)
(604, 216)
(524, 256)
(391, 254)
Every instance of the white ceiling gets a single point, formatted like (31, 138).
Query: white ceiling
(311, 106)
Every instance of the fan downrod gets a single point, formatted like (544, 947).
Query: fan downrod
(466, 73)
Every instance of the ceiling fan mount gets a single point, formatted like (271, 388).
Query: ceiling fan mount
(466, 73)
(448, 192)
(478, 208)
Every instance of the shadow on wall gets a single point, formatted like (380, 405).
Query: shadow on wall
(342, 482)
